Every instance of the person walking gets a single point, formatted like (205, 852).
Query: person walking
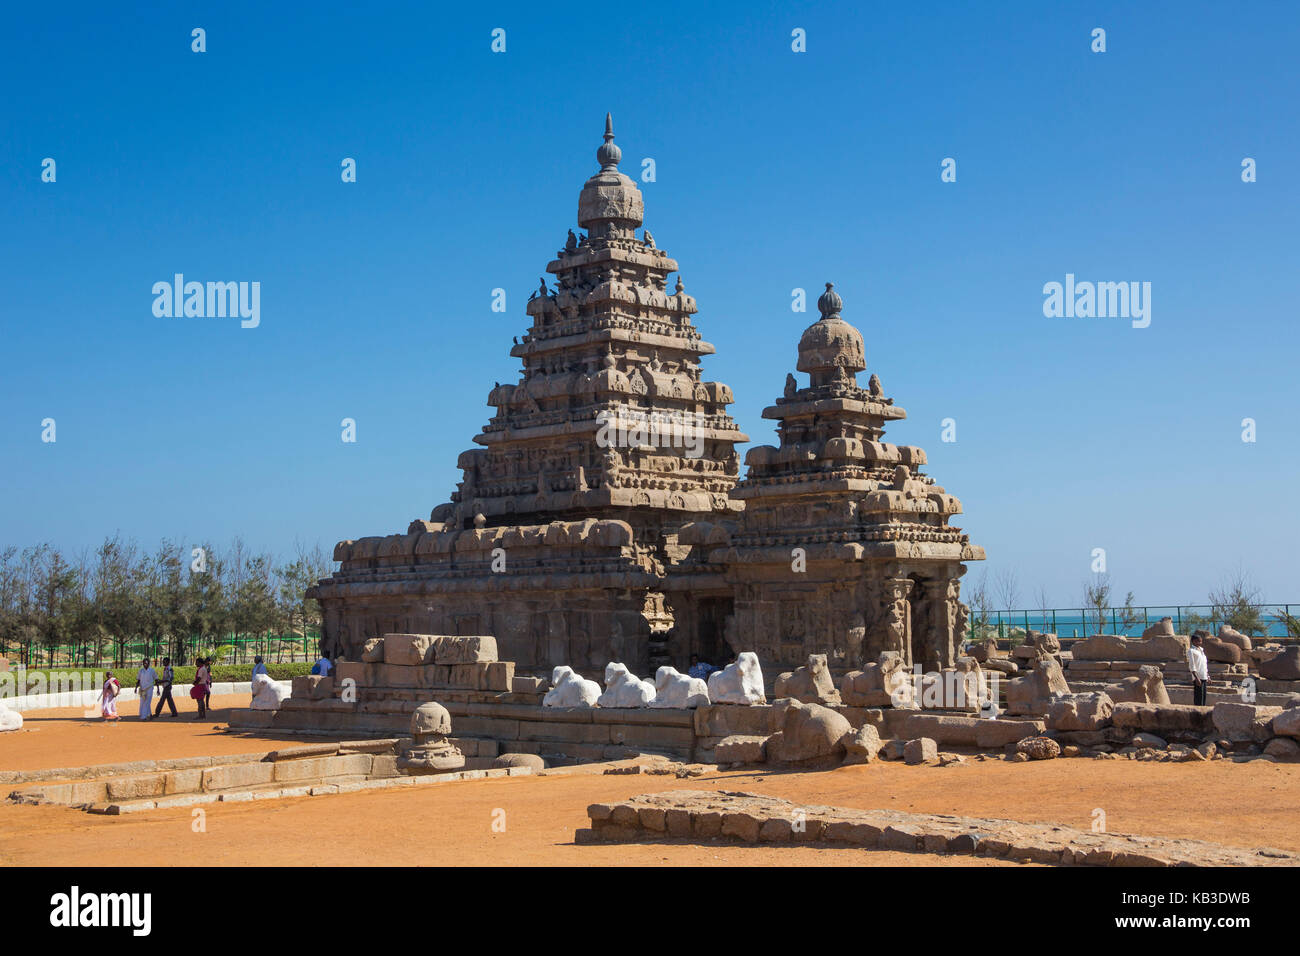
(258, 668)
(201, 688)
(1198, 664)
(108, 696)
(145, 678)
(207, 685)
(165, 697)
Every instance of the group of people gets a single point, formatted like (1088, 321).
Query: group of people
(147, 680)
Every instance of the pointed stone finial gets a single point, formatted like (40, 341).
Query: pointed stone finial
(608, 155)
(680, 287)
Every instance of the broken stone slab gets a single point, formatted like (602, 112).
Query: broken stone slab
(1287, 723)
(1239, 722)
(741, 749)
(893, 749)
(863, 745)
(529, 685)
(1077, 712)
(942, 728)
(1113, 647)
(996, 734)
(1163, 719)
(1284, 666)
(408, 650)
(1283, 749)
(921, 750)
(312, 687)
(463, 649)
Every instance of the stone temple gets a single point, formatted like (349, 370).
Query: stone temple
(603, 517)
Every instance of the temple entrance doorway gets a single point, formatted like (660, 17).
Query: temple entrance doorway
(709, 642)
(918, 602)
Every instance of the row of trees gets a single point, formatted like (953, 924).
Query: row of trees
(180, 600)
(1236, 601)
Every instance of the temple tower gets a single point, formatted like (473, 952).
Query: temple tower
(611, 416)
(844, 547)
(562, 536)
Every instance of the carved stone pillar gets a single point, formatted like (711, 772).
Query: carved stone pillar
(895, 632)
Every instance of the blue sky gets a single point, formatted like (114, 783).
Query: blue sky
(775, 170)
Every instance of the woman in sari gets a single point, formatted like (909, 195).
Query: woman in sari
(108, 696)
(202, 687)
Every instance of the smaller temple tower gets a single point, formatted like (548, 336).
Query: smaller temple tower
(844, 547)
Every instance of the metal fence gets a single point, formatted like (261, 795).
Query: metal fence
(1083, 622)
(232, 649)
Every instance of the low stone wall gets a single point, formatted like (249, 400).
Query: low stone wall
(703, 815)
(309, 770)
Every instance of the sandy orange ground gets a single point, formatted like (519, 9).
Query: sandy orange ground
(1242, 804)
(64, 737)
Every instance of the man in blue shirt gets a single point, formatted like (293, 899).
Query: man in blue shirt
(699, 668)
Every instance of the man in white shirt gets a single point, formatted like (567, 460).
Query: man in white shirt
(1198, 664)
(144, 681)
(165, 692)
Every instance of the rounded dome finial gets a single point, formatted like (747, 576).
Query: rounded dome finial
(831, 345)
(830, 304)
(608, 155)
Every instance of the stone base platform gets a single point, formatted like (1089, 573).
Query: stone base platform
(519, 724)
(302, 771)
(587, 734)
(700, 815)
